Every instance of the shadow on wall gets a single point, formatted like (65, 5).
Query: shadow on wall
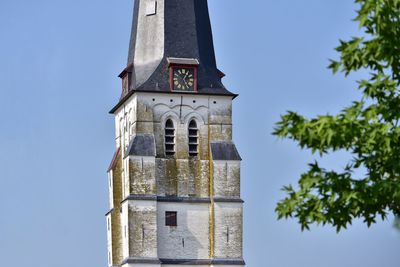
(189, 238)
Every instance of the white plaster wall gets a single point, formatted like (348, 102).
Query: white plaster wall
(142, 229)
(162, 104)
(228, 217)
(125, 118)
(193, 229)
(182, 108)
(109, 239)
(126, 178)
(213, 110)
(110, 189)
(193, 219)
(125, 230)
(227, 178)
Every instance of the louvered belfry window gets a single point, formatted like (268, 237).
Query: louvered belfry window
(169, 138)
(193, 139)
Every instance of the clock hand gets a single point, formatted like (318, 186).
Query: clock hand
(184, 80)
(186, 83)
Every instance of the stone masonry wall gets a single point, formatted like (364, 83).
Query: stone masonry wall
(142, 179)
(117, 245)
(176, 176)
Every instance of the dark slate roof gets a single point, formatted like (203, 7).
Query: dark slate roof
(142, 145)
(187, 35)
(224, 151)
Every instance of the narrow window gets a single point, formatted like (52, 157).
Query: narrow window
(193, 139)
(171, 218)
(169, 138)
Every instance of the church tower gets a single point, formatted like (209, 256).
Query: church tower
(174, 180)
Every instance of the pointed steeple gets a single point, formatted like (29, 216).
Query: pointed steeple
(164, 29)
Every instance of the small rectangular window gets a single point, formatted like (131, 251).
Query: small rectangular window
(171, 218)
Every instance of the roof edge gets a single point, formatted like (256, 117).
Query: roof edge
(128, 68)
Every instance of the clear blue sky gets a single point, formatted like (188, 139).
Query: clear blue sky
(59, 62)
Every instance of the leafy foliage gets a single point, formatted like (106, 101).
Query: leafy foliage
(397, 223)
(368, 129)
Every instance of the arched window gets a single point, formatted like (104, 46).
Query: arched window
(169, 138)
(193, 139)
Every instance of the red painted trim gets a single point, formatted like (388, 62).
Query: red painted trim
(221, 74)
(171, 73)
(125, 84)
(126, 70)
(195, 79)
(114, 160)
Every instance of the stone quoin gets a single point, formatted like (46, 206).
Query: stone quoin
(174, 180)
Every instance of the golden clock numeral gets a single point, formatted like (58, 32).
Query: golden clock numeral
(176, 83)
(191, 75)
(190, 84)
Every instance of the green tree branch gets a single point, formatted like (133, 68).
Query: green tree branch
(368, 129)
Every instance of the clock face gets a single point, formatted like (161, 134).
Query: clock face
(183, 79)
